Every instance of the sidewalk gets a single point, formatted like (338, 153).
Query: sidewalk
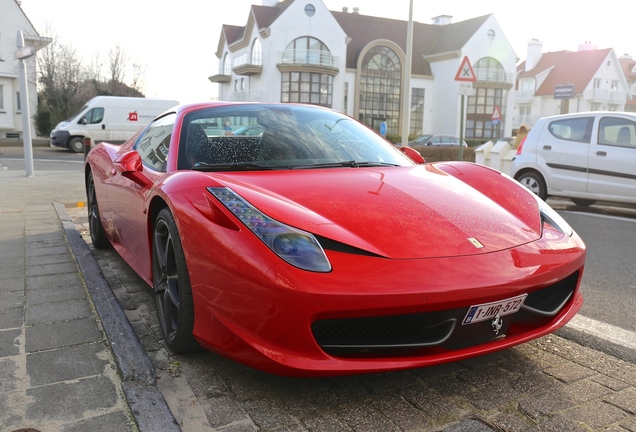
(70, 361)
(58, 369)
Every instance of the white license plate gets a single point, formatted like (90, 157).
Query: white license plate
(488, 311)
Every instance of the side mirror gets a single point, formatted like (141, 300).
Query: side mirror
(413, 154)
(83, 121)
(130, 166)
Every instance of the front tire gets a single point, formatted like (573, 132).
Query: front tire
(95, 227)
(534, 182)
(76, 145)
(173, 293)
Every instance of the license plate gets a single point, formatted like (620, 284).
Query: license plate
(488, 311)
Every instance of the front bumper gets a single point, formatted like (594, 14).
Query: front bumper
(59, 138)
(373, 314)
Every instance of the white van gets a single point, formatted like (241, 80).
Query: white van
(112, 119)
(586, 157)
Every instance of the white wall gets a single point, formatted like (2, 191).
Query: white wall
(11, 19)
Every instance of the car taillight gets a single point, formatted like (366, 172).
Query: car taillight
(521, 145)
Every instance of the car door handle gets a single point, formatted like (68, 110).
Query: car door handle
(547, 147)
(601, 153)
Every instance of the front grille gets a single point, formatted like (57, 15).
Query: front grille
(417, 334)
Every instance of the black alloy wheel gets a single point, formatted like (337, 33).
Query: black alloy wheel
(173, 294)
(95, 227)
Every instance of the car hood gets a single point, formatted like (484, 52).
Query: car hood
(397, 212)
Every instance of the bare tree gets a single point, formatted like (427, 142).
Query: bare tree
(117, 59)
(59, 78)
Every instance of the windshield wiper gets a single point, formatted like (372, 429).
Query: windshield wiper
(346, 164)
(236, 166)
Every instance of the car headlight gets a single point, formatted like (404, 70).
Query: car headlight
(297, 247)
(551, 217)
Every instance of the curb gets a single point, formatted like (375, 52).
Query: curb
(135, 368)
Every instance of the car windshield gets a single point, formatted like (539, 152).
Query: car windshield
(284, 137)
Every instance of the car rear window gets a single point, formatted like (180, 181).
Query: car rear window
(572, 129)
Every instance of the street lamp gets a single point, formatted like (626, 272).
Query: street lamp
(406, 104)
(20, 55)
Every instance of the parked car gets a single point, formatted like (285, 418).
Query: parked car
(249, 131)
(437, 140)
(586, 157)
(319, 248)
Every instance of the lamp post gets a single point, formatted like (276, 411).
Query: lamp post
(406, 103)
(20, 55)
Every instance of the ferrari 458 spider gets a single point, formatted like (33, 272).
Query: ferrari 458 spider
(318, 248)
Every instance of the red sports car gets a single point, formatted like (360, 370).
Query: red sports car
(318, 248)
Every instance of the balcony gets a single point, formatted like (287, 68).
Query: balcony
(254, 95)
(598, 95)
(307, 61)
(250, 63)
(524, 95)
(489, 77)
(526, 120)
(221, 77)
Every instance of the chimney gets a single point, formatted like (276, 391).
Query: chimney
(271, 3)
(356, 10)
(535, 50)
(442, 20)
(345, 9)
(587, 46)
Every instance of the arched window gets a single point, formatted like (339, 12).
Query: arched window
(226, 67)
(380, 89)
(307, 84)
(257, 53)
(307, 50)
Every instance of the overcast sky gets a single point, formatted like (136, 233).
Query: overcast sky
(176, 41)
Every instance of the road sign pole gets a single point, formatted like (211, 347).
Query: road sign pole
(465, 75)
(461, 131)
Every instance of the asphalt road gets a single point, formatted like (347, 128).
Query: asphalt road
(609, 280)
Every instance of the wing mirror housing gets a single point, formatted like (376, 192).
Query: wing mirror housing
(130, 166)
(413, 154)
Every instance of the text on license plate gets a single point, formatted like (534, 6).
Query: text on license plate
(487, 311)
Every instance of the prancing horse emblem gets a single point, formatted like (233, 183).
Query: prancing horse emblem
(497, 323)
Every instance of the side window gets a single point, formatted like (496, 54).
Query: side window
(573, 129)
(94, 116)
(616, 131)
(154, 143)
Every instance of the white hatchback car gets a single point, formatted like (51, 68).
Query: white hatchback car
(586, 157)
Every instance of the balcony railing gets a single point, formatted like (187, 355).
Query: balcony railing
(526, 120)
(247, 58)
(524, 95)
(494, 76)
(248, 63)
(606, 95)
(253, 95)
(322, 59)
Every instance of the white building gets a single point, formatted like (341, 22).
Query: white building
(13, 19)
(299, 51)
(561, 82)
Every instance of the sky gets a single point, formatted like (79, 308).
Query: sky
(175, 41)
